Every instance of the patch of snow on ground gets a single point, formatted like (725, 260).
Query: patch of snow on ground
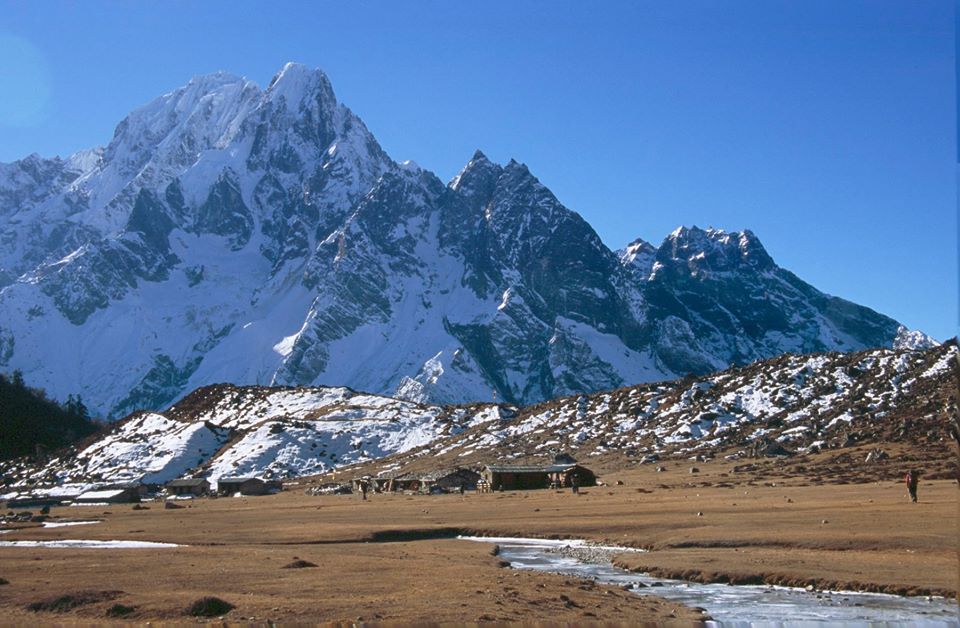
(942, 365)
(85, 544)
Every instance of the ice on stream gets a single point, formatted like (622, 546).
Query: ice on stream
(729, 605)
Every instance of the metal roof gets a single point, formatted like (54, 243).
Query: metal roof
(544, 468)
(101, 494)
(188, 482)
(443, 473)
(237, 480)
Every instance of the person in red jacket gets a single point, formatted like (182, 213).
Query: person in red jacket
(912, 478)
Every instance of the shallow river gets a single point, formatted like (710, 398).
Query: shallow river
(730, 605)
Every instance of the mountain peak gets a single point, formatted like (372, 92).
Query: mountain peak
(295, 81)
(293, 71)
(478, 156)
(213, 80)
(479, 173)
(715, 248)
(638, 255)
(518, 172)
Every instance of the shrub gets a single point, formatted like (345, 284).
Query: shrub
(209, 607)
(120, 610)
(70, 601)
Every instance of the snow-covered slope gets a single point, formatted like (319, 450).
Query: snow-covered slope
(786, 405)
(262, 236)
(792, 404)
(225, 430)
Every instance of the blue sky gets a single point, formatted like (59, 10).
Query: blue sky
(828, 128)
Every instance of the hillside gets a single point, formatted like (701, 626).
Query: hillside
(836, 407)
(833, 409)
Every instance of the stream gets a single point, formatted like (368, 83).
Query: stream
(728, 605)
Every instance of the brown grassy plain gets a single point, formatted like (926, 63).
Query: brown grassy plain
(384, 560)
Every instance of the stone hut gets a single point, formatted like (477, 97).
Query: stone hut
(188, 486)
(246, 486)
(522, 477)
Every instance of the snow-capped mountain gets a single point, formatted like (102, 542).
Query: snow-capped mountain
(262, 236)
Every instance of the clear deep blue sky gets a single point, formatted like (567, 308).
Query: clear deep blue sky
(826, 127)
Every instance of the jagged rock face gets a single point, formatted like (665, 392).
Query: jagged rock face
(232, 233)
(717, 298)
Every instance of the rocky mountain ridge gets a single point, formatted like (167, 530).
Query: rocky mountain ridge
(262, 236)
(786, 406)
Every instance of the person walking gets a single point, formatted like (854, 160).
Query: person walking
(363, 488)
(913, 477)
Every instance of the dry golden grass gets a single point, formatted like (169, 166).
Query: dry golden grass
(236, 549)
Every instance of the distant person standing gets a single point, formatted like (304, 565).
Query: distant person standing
(363, 488)
(913, 477)
(575, 484)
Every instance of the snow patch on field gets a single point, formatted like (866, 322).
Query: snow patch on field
(85, 544)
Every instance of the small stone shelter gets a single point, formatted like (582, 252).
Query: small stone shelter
(138, 486)
(246, 486)
(109, 496)
(450, 480)
(524, 477)
(444, 480)
(188, 486)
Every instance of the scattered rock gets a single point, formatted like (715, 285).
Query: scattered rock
(299, 564)
(876, 455)
(568, 602)
(171, 506)
(694, 470)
